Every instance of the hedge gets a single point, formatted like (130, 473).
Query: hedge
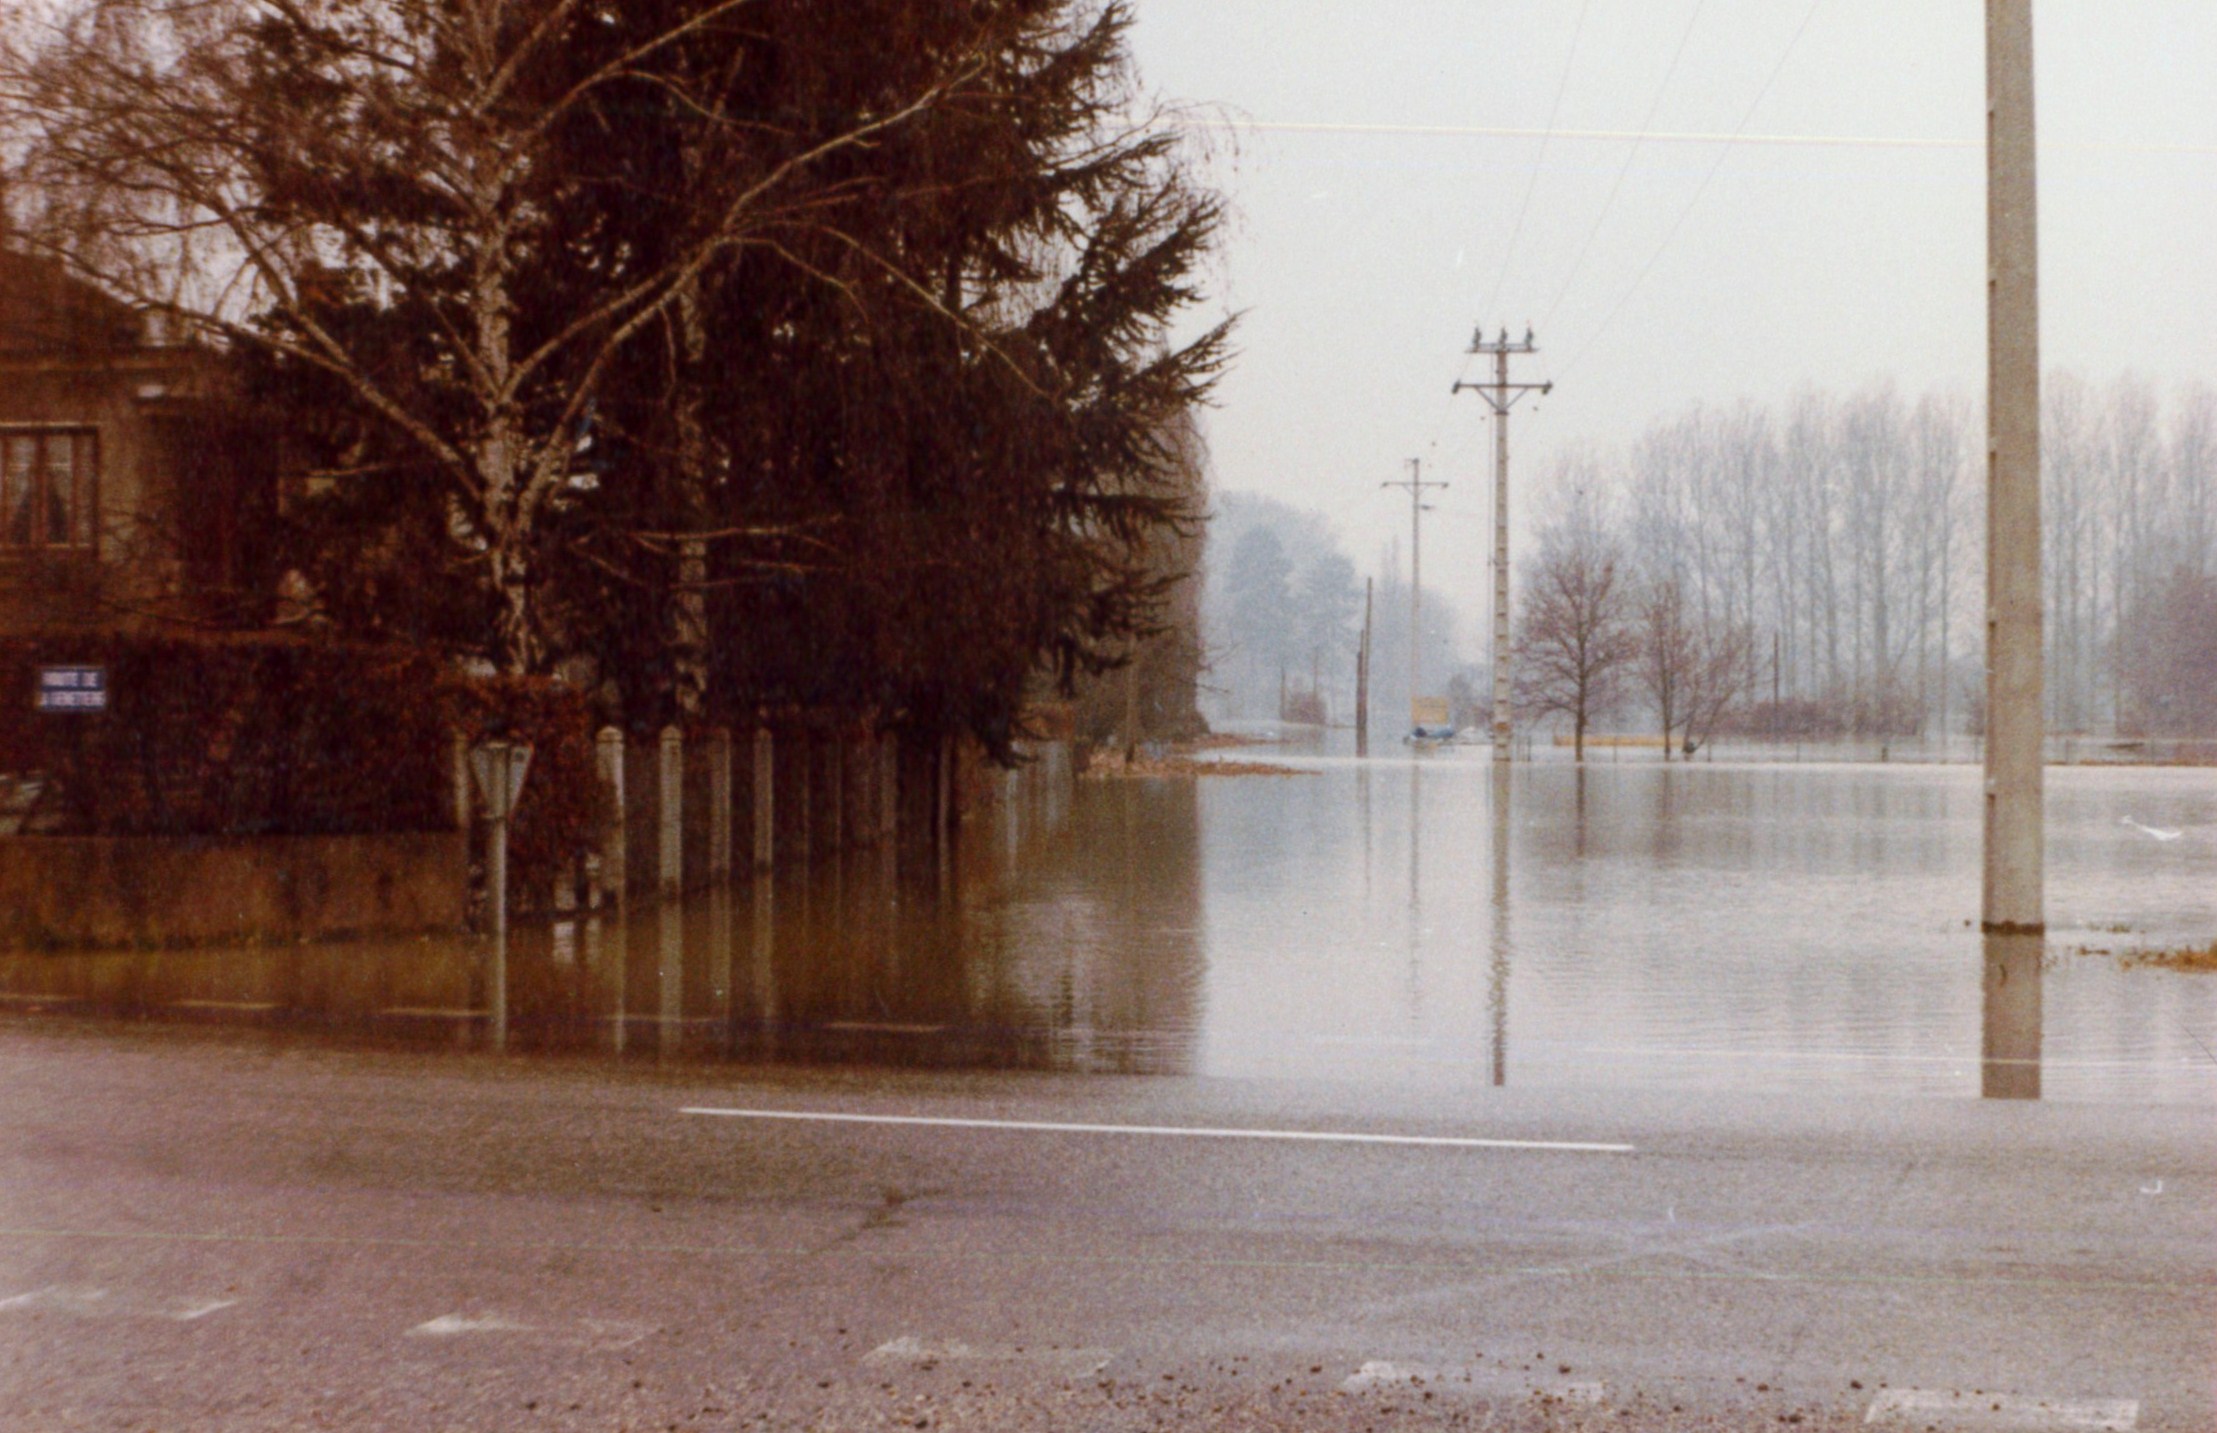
(278, 735)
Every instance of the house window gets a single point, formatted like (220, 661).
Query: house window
(49, 488)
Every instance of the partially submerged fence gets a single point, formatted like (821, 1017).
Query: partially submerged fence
(686, 812)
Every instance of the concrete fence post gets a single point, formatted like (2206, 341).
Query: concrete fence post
(719, 804)
(608, 747)
(765, 800)
(670, 810)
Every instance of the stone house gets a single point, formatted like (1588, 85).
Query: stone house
(128, 483)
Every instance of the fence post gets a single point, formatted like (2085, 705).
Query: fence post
(609, 748)
(670, 802)
(719, 804)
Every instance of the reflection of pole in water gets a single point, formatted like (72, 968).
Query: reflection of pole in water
(670, 976)
(761, 952)
(496, 993)
(615, 942)
(2009, 1047)
(1362, 799)
(1416, 908)
(1498, 988)
(722, 935)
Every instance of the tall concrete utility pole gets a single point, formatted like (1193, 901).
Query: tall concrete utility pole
(1501, 395)
(1417, 509)
(2015, 725)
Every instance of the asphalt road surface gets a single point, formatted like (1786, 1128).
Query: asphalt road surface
(223, 1230)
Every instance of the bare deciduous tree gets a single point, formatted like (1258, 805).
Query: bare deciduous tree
(1574, 639)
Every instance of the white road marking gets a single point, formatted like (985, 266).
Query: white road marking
(251, 1007)
(1958, 1409)
(451, 1325)
(910, 1351)
(880, 1027)
(1381, 1376)
(430, 1012)
(1172, 1131)
(585, 1333)
(103, 1303)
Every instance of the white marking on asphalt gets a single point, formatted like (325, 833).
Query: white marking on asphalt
(910, 1351)
(251, 1007)
(881, 1027)
(586, 1333)
(450, 1325)
(101, 1303)
(430, 1012)
(1171, 1131)
(1381, 1376)
(1957, 1409)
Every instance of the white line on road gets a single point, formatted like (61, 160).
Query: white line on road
(1957, 1409)
(101, 1303)
(1171, 1131)
(451, 1325)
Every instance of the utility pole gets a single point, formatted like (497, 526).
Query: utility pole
(1416, 485)
(1501, 395)
(2015, 730)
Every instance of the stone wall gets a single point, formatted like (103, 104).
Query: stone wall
(100, 891)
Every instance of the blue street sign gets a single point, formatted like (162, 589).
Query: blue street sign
(73, 689)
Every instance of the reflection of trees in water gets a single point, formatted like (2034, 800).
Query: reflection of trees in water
(1073, 946)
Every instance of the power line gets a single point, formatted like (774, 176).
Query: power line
(1701, 189)
(1645, 125)
(1539, 161)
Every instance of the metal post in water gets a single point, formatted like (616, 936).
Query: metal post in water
(500, 768)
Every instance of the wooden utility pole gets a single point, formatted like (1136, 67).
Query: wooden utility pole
(1501, 395)
(2013, 897)
(1417, 509)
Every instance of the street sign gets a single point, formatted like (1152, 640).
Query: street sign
(73, 689)
(499, 768)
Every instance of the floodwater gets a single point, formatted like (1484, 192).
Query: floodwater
(1415, 920)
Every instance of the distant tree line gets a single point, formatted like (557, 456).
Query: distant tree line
(720, 353)
(1284, 614)
(1819, 571)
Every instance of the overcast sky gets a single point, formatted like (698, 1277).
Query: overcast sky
(1841, 240)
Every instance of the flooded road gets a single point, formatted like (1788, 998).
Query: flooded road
(1420, 922)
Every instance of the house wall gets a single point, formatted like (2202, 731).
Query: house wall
(135, 565)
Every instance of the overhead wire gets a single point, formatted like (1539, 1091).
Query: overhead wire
(1539, 161)
(1716, 164)
(1554, 112)
(1631, 153)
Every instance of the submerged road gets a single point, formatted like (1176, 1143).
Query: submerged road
(221, 1231)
